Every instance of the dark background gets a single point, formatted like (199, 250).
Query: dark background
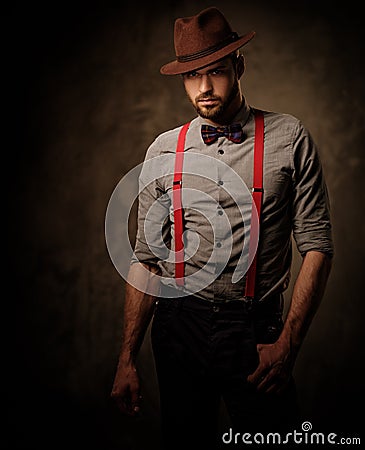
(82, 100)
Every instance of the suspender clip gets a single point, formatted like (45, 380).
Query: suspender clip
(249, 302)
(256, 189)
(177, 182)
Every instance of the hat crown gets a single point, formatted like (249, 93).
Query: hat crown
(201, 40)
(195, 34)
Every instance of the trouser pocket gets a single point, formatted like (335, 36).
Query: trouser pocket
(268, 328)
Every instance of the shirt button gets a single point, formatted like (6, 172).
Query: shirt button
(219, 245)
(221, 152)
(220, 212)
(220, 182)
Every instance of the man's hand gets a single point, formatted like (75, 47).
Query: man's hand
(126, 390)
(138, 311)
(276, 361)
(274, 369)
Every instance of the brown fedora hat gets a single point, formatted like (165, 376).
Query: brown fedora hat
(201, 40)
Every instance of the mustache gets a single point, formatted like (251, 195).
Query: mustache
(206, 97)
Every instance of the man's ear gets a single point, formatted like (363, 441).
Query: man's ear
(240, 66)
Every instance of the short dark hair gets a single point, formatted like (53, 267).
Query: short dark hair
(235, 56)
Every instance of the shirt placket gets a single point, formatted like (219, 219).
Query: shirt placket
(222, 247)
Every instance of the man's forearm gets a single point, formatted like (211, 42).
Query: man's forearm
(138, 309)
(307, 295)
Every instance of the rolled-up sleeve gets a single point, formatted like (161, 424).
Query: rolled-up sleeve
(311, 219)
(152, 236)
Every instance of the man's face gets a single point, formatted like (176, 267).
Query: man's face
(212, 89)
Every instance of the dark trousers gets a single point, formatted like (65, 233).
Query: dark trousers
(203, 353)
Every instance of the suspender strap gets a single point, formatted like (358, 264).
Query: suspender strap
(257, 192)
(177, 207)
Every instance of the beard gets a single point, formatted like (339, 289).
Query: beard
(214, 113)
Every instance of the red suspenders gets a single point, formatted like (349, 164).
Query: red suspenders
(177, 207)
(257, 192)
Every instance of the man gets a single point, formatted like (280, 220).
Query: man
(217, 305)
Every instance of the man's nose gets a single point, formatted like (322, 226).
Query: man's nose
(205, 84)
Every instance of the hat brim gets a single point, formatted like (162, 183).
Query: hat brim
(176, 67)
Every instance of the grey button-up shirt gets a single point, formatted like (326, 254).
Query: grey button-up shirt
(217, 202)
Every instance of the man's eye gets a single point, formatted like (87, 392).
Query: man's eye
(193, 74)
(217, 72)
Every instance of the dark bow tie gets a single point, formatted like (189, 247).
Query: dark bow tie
(232, 132)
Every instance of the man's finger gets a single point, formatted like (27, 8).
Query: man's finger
(122, 404)
(267, 382)
(136, 404)
(257, 376)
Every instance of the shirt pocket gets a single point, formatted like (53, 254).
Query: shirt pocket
(277, 184)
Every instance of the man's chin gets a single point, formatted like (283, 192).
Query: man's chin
(209, 113)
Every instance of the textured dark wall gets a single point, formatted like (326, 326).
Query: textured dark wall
(84, 99)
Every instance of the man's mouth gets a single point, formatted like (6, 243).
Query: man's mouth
(207, 101)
